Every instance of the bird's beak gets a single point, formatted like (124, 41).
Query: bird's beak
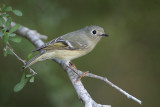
(104, 34)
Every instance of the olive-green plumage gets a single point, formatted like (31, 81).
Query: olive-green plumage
(70, 46)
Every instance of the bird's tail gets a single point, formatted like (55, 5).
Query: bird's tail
(33, 60)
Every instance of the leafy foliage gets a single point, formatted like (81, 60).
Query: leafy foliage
(19, 86)
(24, 79)
(7, 34)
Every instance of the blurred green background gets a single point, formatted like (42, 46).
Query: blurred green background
(130, 57)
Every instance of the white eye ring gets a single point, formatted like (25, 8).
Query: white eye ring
(94, 32)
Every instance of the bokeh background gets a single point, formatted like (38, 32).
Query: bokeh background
(130, 57)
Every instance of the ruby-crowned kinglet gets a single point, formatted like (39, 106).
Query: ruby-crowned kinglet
(70, 46)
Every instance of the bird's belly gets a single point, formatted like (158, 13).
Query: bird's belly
(69, 54)
(65, 54)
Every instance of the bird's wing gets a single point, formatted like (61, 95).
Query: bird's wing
(61, 44)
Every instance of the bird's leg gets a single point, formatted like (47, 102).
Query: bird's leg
(80, 75)
(72, 65)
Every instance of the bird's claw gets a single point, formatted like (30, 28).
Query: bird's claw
(81, 76)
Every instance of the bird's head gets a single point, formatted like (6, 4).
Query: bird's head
(95, 32)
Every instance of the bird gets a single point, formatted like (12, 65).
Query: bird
(70, 46)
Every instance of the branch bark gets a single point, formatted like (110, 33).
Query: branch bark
(35, 38)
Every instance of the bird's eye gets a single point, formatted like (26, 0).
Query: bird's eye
(94, 32)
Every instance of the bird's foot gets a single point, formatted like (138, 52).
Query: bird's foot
(79, 75)
(82, 75)
(72, 65)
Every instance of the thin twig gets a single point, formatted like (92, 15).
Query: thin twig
(87, 74)
(114, 86)
(32, 71)
(24, 62)
(7, 47)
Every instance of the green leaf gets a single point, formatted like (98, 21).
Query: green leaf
(29, 75)
(4, 15)
(12, 34)
(5, 39)
(9, 52)
(9, 8)
(8, 23)
(31, 80)
(17, 12)
(29, 56)
(1, 34)
(14, 28)
(19, 86)
(16, 39)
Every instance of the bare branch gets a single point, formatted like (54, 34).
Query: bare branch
(35, 38)
(31, 35)
(7, 47)
(114, 86)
